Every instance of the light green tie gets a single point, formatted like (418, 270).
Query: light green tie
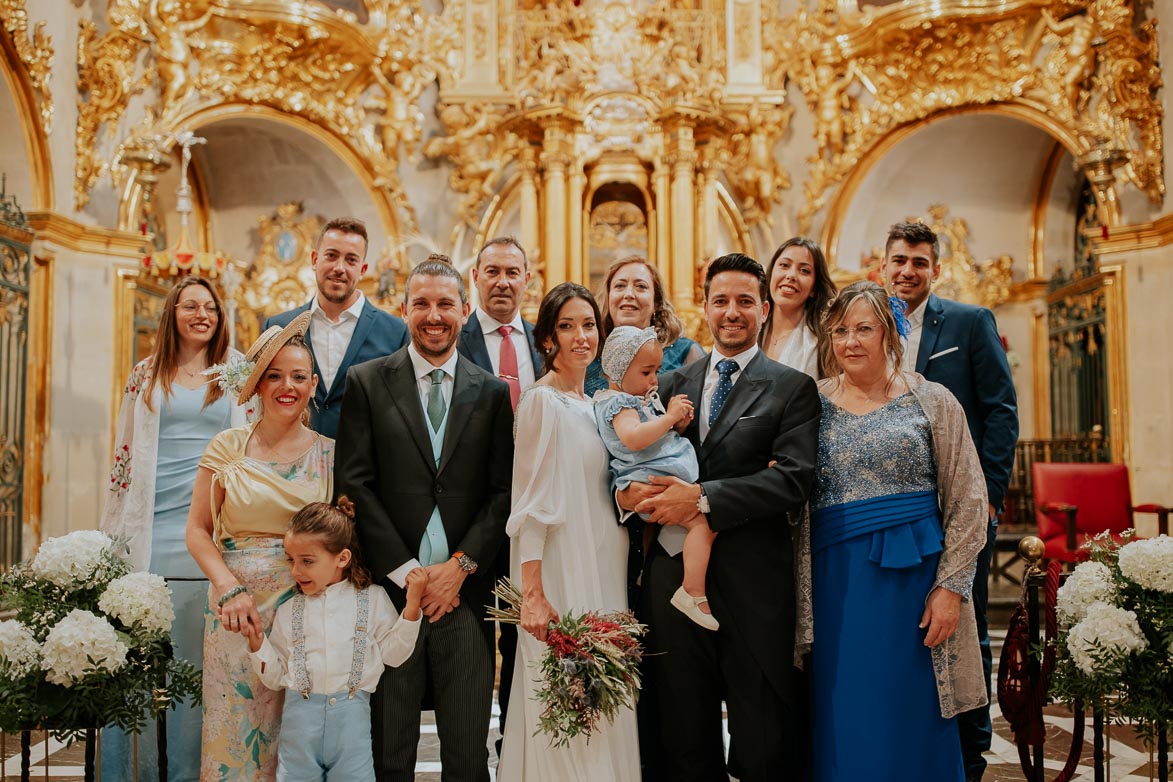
(436, 399)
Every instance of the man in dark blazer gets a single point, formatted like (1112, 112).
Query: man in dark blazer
(501, 275)
(755, 431)
(345, 329)
(958, 346)
(425, 452)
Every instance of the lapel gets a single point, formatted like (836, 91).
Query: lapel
(365, 321)
(399, 375)
(533, 349)
(466, 391)
(749, 386)
(931, 328)
(692, 385)
(473, 340)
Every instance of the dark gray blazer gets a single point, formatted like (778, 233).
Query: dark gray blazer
(472, 345)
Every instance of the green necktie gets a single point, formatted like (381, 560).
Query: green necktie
(436, 399)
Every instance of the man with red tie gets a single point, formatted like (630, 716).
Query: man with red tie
(498, 340)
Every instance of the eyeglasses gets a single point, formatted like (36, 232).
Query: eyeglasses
(862, 332)
(191, 308)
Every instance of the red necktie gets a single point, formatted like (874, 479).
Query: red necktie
(507, 365)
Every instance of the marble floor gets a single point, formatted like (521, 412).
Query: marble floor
(1128, 760)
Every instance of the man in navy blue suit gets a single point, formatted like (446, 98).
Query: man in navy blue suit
(498, 340)
(345, 328)
(958, 346)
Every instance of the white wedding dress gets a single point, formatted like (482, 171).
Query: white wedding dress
(563, 512)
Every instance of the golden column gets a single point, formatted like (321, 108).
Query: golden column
(530, 229)
(681, 159)
(556, 161)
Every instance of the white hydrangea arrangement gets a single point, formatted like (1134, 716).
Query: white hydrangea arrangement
(1115, 644)
(80, 645)
(20, 654)
(90, 644)
(79, 559)
(141, 601)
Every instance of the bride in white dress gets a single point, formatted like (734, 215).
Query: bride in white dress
(568, 554)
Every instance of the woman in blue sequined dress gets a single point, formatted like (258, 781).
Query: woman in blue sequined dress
(897, 521)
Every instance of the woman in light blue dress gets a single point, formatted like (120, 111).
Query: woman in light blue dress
(169, 414)
(897, 521)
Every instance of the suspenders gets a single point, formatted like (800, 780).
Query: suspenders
(300, 675)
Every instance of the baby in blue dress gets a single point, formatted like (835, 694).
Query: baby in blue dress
(643, 440)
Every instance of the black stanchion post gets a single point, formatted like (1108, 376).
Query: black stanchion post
(91, 742)
(161, 739)
(26, 754)
(1034, 580)
(1098, 742)
(1162, 752)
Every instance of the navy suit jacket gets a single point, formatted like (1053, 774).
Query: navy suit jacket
(376, 334)
(960, 348)
(472, 345)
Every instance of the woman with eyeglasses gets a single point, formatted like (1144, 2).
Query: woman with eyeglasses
(800, 290)
(170, 411)
(898, 517)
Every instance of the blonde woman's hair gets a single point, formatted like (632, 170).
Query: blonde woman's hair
(877, 300)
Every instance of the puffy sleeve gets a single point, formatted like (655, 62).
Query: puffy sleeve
(538, 501)
(608, 405)
(222, 452)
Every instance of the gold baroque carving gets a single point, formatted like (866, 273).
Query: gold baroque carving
(35, 52)
(211, 52)
(1087, 66)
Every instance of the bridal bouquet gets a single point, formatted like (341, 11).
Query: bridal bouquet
(1115, 644)
(590, 669)
(90, 642)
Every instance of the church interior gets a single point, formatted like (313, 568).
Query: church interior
(147, 140)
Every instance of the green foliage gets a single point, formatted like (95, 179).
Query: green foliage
(151, 681)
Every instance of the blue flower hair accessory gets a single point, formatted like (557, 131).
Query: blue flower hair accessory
(899, 307)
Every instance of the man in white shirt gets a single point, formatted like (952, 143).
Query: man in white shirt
(345, 328)
(500, 276)
(425, 453)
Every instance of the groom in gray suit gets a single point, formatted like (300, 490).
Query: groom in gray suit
(425, 452)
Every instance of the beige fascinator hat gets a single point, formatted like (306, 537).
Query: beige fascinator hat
(263, 351)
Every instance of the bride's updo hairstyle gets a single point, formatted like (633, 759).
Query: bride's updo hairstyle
(545, 328)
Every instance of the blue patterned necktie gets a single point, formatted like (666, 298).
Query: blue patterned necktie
(725, 369)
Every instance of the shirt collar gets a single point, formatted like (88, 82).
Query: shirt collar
(743, 358)
(341, 587)
(489, 324)
(917, 316)
(354, 310)
(423, 367)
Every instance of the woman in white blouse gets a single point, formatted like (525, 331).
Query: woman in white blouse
(800, 290)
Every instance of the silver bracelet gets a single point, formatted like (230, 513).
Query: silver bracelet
(239, 589)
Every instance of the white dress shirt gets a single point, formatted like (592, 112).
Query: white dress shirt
(916, 321)
(423, 381)
(672, 536)
(330, 617)
(743, 358)
(330, 339)
(493, 340)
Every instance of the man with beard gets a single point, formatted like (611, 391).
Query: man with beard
(756, 436)
(425, 452)
(345, 329)
(497, 340)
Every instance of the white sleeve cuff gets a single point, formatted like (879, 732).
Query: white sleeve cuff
(531, 542)
(398, 576)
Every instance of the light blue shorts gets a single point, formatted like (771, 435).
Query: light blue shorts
(325, 737)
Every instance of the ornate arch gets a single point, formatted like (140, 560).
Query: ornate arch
(26, 62)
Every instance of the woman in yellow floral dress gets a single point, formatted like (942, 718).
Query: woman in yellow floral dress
(251, 482)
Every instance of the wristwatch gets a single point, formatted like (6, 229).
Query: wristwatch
(465, 561)
(702, 502)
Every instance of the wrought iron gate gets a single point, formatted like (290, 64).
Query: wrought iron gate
(15, 269)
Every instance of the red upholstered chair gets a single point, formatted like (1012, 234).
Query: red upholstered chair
(1078, 501)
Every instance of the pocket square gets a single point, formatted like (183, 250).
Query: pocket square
(943, 353)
